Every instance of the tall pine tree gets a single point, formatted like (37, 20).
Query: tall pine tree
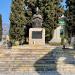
(17, 20)
(70, 13)
(0, 27)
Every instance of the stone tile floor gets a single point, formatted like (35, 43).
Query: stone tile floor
(64, 61)
(41, 73)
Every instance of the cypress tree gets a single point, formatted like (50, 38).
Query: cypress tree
(17, 20)
(71, 16)
(0, 27)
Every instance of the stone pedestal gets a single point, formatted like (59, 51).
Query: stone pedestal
(36, 36)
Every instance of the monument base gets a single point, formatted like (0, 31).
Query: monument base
(36, 36)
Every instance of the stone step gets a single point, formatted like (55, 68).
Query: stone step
(33, 59)
(39, 67)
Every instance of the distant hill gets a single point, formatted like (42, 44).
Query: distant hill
(5, 27)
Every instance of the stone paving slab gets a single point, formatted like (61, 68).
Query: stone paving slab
(40, 73)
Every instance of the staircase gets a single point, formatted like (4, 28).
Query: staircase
(39, 59)
(21, 59)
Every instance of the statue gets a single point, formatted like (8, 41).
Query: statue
(37, 20)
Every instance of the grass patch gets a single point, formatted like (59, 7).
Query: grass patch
(55, 44)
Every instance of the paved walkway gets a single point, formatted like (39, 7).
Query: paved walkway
(56, 61)
(35, 73)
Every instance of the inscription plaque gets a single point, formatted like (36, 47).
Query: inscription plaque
(37, 35)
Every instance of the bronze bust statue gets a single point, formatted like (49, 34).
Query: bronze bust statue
(37, 20)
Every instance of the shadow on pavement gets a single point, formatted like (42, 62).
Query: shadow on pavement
(48, 63)
(70, 56)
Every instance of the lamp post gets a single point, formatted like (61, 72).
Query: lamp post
(24, 34)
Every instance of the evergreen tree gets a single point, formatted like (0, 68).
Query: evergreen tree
(49, 9)
(71, 16)
(0, 27)
(17, 20)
